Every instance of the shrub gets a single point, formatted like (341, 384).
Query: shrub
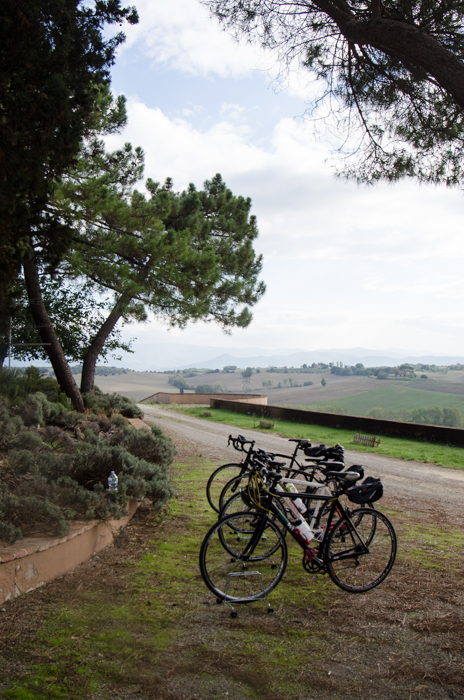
(16, 385)
(59, 471)
(110, 403)
(209, 388)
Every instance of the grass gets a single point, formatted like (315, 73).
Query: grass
(393, 398)
(111, 635)
(411, 450)
(138, 622)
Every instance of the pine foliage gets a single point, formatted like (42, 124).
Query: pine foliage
(391, 74)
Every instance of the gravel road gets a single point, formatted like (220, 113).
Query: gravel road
(417, 483)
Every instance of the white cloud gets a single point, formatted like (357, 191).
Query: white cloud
(174, 148)
(301, 208)
(345, 266)
(181, 35)
(232, 111)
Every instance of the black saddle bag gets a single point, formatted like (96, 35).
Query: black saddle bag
(369, 491)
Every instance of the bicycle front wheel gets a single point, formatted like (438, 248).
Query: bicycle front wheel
(218, 479)
(361, 550)
(243, 557)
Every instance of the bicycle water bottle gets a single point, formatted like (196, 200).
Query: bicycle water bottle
(113, 483)
(303, 532)
(297, 501)
(289, 502)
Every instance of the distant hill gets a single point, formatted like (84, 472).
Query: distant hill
(369, 358)
(172, 356)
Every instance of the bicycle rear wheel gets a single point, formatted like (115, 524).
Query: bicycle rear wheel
(361, 550)
(218, 479)
(243, 557)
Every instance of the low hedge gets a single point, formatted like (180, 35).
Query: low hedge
(55, 463)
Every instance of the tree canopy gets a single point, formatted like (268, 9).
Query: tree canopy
(393, 73)
(183, 256)
(54, 57)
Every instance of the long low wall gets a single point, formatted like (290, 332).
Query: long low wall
(37, 560)
(164, 397)
(360, 424)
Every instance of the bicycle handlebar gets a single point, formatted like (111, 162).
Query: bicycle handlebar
(239, 442)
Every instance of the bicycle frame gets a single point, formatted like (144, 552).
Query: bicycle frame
(311, 554)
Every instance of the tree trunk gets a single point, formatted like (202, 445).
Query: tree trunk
(46, 331)
(4, 349)
(401, 40)
(96, 346)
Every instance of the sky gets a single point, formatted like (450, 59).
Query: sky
(345, 266)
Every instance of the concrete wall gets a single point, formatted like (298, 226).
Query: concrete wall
(360, 424)
(162, 397)
(37, 560)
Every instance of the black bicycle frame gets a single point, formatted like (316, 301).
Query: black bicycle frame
(336, 506)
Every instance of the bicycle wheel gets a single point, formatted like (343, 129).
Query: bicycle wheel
(321, 521)
(236, 504)
(218, 479)
(243, 557)
(359, 557)
(232, 488)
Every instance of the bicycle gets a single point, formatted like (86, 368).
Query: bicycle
(224, 474)
(244, 555)
(315, 475)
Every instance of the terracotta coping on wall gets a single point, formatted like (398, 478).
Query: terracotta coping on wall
(36, 560)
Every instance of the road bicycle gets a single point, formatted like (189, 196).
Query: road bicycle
(244, 555)
(315, 475)
(223, 475)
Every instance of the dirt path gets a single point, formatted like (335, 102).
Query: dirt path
(430, 486)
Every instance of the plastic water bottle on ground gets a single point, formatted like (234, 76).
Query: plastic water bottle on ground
(113, 483)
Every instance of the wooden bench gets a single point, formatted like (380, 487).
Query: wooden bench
(366, 440)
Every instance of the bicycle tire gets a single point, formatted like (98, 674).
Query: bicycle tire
(325, 510)
(230, 572)
(232, 487)
(358, 558)
(218, 479)
(236, 504)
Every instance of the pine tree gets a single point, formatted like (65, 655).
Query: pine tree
(393, 74)
(54, 57)
(183, 256)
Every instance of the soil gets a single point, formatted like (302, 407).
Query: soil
(403, 640)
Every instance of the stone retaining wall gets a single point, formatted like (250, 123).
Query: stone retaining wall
(203, 399)
(37, 560)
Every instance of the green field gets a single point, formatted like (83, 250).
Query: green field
(393, 398)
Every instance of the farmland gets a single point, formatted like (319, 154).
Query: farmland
(396, 396)
(352, 394)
